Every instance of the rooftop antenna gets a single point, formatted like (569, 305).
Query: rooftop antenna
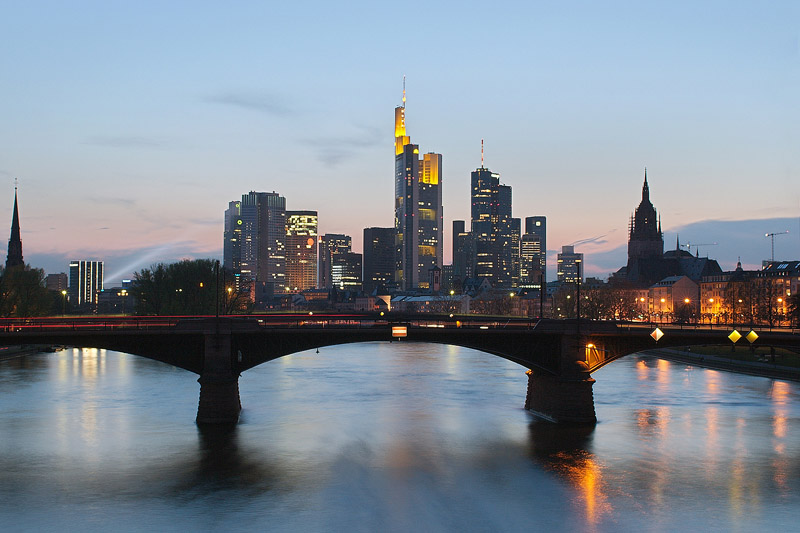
(404, 91)
(772, 237)
(481, 153)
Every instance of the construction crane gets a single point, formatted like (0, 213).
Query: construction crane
(689, 246)
(772, 237)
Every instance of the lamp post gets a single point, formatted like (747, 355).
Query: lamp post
(124, 294)
(63, 302)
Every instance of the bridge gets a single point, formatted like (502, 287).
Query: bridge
(560, 355)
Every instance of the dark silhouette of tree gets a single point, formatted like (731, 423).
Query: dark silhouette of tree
(794, 309)
(23, 292)
(188, 287)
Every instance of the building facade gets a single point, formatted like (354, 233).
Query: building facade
(463, 253)
(346, 271)
(491, 226)
(254, 248)
(330, 245)
(536, 227)
(85, 282)
(301, 250)
(569, 269)
(378, 259)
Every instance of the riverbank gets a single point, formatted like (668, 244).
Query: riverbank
(12, 352)
(717, 362)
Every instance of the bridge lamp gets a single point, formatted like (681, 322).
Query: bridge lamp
(590, 345)
(686, 300)
(311, 313)
(63, 302)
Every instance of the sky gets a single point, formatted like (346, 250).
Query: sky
(130, 125)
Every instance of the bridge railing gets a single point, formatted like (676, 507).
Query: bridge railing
(296, 320)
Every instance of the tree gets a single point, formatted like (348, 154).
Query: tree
(794, 309)
(188, 287)
(23, 292)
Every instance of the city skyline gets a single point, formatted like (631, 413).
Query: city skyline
(127, 137)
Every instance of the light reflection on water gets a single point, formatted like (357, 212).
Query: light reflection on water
(392, 437)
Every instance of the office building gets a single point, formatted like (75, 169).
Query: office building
(378, 259)
(254, 249)
(346, 271)
(330, 245)
(418, 208)
(85, 282)
(531, 273)
(301, 250)
(57, 282)
(537, 226)
(492, 228)
(569, 265)
(463, 253)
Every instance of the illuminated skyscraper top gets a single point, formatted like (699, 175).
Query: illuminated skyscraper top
(417, 208)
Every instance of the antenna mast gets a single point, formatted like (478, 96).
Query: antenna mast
(404, 91)
(481, 153)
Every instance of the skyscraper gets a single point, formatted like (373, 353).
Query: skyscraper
(568, 269)
(418, 208)
(255, 243)
(378, 258)
(492, 227)
(346, 271)
(536, 230)
(301, 250)
(330, 245)
(14, 256)
(463, 252)
(85, 281)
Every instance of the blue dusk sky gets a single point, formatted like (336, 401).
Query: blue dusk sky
(130, 125)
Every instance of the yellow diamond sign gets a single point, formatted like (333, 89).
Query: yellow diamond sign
(657, 334)
(752, 336)
(734, 336)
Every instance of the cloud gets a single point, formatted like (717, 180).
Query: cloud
(112, 200)
(123, 141)
(332, 150)
(263, 102)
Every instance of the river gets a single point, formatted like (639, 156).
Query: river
(392, 437)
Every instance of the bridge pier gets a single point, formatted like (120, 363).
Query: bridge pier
(219, 385)
(563, 399)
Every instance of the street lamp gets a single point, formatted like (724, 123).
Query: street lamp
(63, 302)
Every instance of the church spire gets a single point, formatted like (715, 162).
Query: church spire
(645, 188)
(14, 256)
